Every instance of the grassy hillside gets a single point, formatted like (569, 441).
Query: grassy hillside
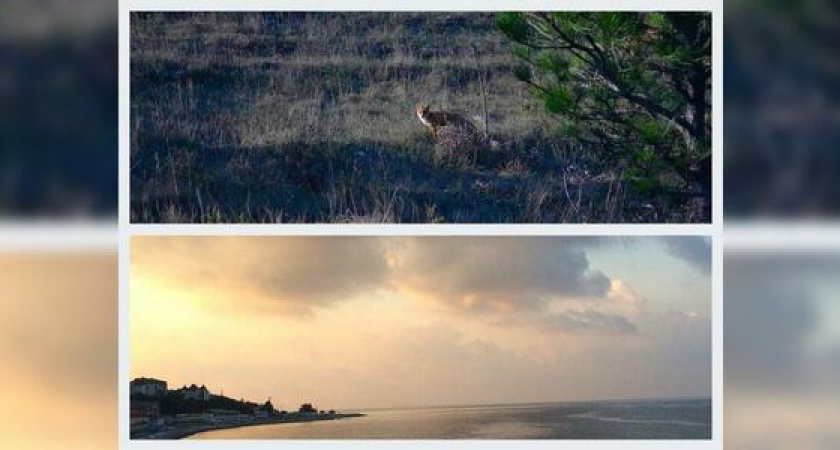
(309, 117)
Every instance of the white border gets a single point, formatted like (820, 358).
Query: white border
(64, 236)
(714, 229)
(774, 237)
(420, 5)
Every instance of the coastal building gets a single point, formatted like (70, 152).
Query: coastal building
(265, 410)
(149, 387)
(307, 408)
(194, 392)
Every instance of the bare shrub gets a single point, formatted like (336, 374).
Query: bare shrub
(458, 146)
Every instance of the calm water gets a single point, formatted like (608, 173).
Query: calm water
(661, 419)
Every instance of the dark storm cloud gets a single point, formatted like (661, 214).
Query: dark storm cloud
(694, 250)
(502, 274)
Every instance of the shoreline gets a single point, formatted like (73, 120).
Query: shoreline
(189, 430)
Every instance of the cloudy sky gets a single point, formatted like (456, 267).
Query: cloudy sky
(782, 350)
(385, 322)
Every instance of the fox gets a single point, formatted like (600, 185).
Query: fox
(434, 120)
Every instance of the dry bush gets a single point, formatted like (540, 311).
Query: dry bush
(458, 146)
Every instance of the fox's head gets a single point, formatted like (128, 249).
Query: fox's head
(421, 110)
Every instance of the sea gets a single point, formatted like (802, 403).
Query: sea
(636, 419)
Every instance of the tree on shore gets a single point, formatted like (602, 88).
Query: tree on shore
(633, 87)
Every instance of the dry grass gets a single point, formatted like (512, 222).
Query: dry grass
(308, 117)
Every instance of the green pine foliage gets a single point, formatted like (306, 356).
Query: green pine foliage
(635, 87)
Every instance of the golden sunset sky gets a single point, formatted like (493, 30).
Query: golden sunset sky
(362, 322)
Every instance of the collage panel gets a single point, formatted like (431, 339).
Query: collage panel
(58, 349)
(782, 120)
(421, 117)
(420, 338)
(782, 348)
(59, 112)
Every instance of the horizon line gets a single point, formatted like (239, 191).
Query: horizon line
(524, 403)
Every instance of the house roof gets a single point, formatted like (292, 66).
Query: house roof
(144, 380)
(193, 387)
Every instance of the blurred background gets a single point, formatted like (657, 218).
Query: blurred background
(58, 109)
(781, 158)
(58, 349)
(781, 350)
(58, 161)
(781, 110)
(58, 169)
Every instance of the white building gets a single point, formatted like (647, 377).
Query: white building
(149, 387)
(194, 392)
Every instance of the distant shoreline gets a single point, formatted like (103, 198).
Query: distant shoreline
(189, 430)
(534, 403)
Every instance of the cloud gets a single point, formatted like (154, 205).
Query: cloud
(278, 274)
(500, 275)
(694, 250)
(544, 283)
(523, 281)
(587, 321)
(616, 314)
